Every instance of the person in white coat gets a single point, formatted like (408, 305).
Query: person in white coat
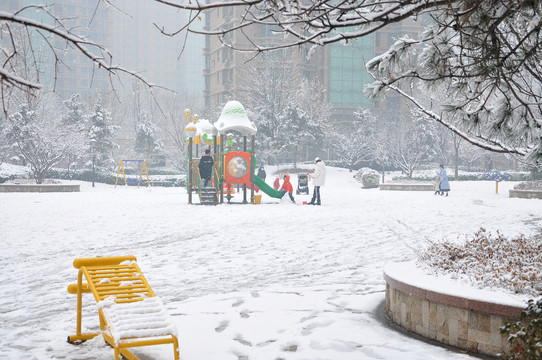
(318, 179)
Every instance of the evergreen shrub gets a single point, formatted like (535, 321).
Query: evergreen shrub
(525, 335)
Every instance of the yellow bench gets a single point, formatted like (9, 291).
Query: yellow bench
(130, 314)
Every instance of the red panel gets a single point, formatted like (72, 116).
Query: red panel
(237, 167)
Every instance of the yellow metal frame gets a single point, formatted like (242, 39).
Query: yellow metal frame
(126, 283)
(144, 167)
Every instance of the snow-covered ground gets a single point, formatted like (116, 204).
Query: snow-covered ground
(269, 281)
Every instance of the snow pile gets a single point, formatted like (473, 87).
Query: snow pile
(234, 117)
(514, 264)
(146, 318)
(368, 177)
(205, 131)
(14, 171)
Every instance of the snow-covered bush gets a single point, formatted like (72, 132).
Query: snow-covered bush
(526, 334)
(368, 177)
(529, 185)
(489, 261)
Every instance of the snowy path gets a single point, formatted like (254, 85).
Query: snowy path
(274, 281)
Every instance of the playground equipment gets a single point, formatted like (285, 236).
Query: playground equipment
(130, 314)
(232, 166)
(140, 166)
(497, 177)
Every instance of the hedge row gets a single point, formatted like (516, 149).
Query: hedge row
(109, 178)
(468, 177)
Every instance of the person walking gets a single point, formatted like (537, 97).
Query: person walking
(261, 173)
(318, 180)
(206, 167)
(444, 185)
(436, 184)
(287, 188)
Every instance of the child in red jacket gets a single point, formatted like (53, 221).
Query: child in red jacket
(276, 184)
(287, 188)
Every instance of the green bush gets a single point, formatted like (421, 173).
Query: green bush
(5, 178)
(153, 171)
(525, 336)
(428, 178)
(464, 177)
(110, 178)
(82, 175)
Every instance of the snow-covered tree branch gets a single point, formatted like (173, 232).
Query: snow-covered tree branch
(15, 32)
(486, 55)
(39, 136)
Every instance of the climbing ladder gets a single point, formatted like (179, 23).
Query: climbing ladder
(208, 196)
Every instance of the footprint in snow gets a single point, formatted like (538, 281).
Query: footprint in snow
(222, 326)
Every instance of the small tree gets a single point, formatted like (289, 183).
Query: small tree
(352, 144)
(74, 118)
(377, 137)
(290, 111)
(101, 130)
(414, 144)
(38, 135)
(146, 142)
(401, 141)
(526, 334)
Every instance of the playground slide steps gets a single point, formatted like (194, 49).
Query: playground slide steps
(208, 196)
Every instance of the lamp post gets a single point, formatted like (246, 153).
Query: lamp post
(93, 144)
(190, 131)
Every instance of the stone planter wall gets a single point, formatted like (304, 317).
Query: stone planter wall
(471, 325)
(39, 188)
(407, 187)
(525, 194)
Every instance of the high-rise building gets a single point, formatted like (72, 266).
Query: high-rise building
(171, 61)
(130, 31)
(51, 60)
(339, 66)
(224, 67)
(76, 73)
(346, 76)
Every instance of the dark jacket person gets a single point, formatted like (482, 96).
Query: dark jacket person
(206, 167)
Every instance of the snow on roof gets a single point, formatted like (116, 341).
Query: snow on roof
(204, 127)
(234, 117)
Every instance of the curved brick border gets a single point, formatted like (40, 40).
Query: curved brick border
(472, 325)
(39, 188)
(483, 307)
(407, 187)
(525, 194)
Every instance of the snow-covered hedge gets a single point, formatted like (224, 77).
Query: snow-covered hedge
(529, 185)
(515, 176)
(368, 177)
(489, 260)
(11, 172)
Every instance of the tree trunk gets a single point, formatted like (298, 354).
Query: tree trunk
(456, 167)
(40, 177)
